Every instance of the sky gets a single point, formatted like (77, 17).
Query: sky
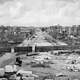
(39, 12)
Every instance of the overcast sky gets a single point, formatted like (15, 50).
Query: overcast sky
(39, 12)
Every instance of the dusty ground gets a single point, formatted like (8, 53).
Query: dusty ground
(57, 67)
(6, 59)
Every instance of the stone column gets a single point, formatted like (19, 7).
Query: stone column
(33, 48)
(12, 50)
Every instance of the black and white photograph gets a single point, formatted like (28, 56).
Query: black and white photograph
(39, 39)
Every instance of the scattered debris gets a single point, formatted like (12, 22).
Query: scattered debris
(10, 68)
(2, 71)
(23, 72)
(60, 75)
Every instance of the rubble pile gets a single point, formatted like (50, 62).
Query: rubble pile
(13, 72)
(73, 62)
(43, 56)
(9, 73)
(42, 60)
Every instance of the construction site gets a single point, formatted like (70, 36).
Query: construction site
(40, 57)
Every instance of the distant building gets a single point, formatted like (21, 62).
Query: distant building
(74, 30)
(78, 30)
(67, 29)
(58, 28)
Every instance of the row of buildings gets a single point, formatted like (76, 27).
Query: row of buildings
(23, 32)
(69, 30)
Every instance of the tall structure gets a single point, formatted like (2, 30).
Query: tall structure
(74, 30)
(68, 30)
(78, 30)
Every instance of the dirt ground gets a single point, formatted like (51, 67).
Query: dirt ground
(57, 67)
(6, 59)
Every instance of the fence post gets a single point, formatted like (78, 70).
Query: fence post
(33, 48)
(12, 50)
